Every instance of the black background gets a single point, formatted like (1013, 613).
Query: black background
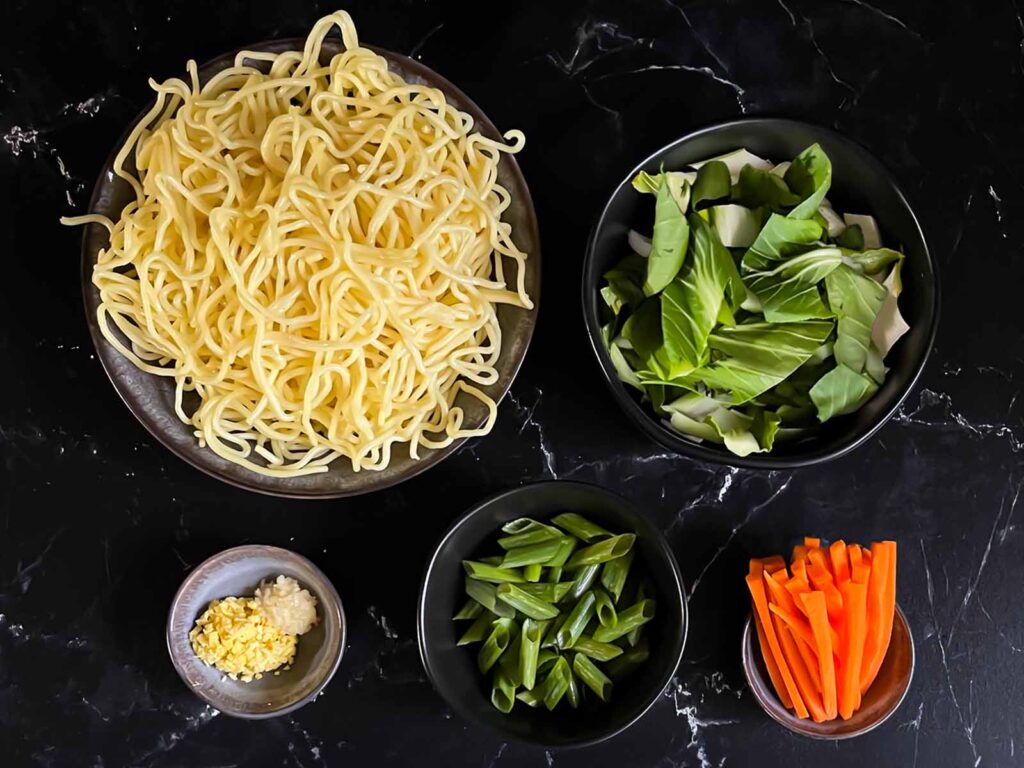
(98, 524)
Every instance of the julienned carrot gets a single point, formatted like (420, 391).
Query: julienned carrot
(854, 633)
(805, 645)
(769, 564)
(822, 581)
(829, 622)
(773, 667)
(859, 570)
(799, 570)
(800, 626)
(817, 557)
(881, 606)
(840, 561)
(804, 681)
(756, 587)
(814, 602)
(799, 621)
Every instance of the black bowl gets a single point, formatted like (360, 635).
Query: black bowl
(860, 184)
(453, 670)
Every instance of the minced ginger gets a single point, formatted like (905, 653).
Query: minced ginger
(244, 637)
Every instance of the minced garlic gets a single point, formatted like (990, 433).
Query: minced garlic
(236, 636)
(290, 607)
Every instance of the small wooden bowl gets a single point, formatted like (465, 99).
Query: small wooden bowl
(882, 699)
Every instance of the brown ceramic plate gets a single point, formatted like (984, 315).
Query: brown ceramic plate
(882, 699)
(151, 398)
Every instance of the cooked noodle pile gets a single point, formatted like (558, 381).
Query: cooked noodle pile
(317, 251)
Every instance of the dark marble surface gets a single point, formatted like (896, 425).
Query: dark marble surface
(98, 524)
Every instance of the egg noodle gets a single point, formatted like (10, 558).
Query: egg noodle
(317, 252)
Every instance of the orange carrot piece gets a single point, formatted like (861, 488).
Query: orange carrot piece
(817, 557)
(822, 581)
(881, 609)
(812, 542)
(756, 587)
(801, 632)
(774, 563)
(799, 569)
(799, 553)
(855, 629)
(804, 681)
(840, 561)
(810, 659)
(859, 570)
(756, 567)
(814, 602)
(865, 556)
(799, 627)
(773, 667)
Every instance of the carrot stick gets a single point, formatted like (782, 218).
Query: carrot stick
(799, 553)
(773, 667)
(810, 658)
(881, 607)
(804, 681)
(756, 587)
(805, 646)
(855, 603)
(756, 567)
(875, 608)
(840, 561)
(814, 602)
(817, 557)
(799, 570)
(812, 542)
(859, 570)
(800, 627)
(822, 581)
(774, 563)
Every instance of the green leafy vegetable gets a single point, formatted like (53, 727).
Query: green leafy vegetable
(690, 304)
(671, 234)
(744, 354)
(760, 355)
(810, 177)
(712, 184)
(852, 237)
(757, 188)
(856, 300)
(790, 292)
(841, 391)
(625, 281)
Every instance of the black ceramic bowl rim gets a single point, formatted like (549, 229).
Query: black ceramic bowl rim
(648, 423)
(468, 713)
(252, 481)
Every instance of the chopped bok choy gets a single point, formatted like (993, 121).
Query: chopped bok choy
(756, 310)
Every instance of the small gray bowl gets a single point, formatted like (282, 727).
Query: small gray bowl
(238, 571)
